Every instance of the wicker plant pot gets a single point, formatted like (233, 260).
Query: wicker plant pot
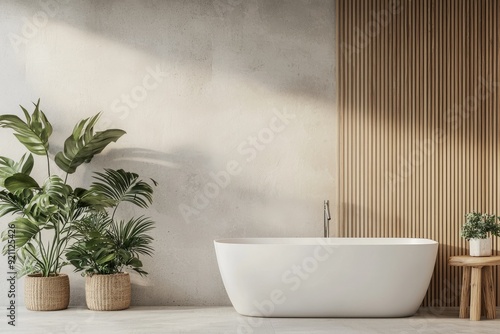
(46, 293)
(108, 292)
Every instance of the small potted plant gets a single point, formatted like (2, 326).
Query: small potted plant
(43, 214)
(478, 230)
(104, 246)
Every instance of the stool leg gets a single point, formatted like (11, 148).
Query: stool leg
(489, 293)
(483, 292)
(465, 296)
(475, 297)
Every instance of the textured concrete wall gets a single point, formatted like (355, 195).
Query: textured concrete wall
(228, 104)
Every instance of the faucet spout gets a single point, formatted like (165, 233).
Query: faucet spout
(326, 218)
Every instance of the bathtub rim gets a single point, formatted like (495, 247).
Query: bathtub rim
(312, 241)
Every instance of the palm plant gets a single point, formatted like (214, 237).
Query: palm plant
(44, 214)
(104, 245)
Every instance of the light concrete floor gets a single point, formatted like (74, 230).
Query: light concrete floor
(146, 320)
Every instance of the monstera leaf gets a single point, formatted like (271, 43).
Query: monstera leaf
(34, 133)
(83, 144)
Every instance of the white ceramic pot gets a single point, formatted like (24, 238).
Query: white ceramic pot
(480, 247)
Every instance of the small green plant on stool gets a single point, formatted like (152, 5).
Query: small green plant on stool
(480, 226)
(478, 229)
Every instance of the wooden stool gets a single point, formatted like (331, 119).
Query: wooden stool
(481, 276)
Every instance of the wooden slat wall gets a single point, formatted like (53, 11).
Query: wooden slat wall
(419, 123)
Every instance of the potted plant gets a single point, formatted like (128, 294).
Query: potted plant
(478, 229)
(105, 246)
(44, 213)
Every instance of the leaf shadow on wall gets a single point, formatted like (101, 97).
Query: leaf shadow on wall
(287, 47)
(178, 245)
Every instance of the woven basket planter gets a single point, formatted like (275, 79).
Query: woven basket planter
(46, 293)
(108, 292)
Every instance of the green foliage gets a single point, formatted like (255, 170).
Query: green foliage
(480, 226)
(34, 133)
(103, 245)
(10, 203)
(116, 186)
(44, 214)
(83, 144)
(20, 182)
(9, 167)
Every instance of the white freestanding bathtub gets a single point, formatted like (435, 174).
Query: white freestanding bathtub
(326, 277)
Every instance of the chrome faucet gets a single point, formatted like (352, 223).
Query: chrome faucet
(326, 218)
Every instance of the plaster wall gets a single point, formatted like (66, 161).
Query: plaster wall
(204, 89)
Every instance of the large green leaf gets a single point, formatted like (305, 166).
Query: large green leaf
(34, 133)
(9, 167)
(121, 186)
(9, 203)
(19, 182)
(26, 230)
(57, 190)
(103, 258)
(51, 199)
(83, 144)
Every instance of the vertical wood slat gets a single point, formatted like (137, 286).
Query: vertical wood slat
(419, 123)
